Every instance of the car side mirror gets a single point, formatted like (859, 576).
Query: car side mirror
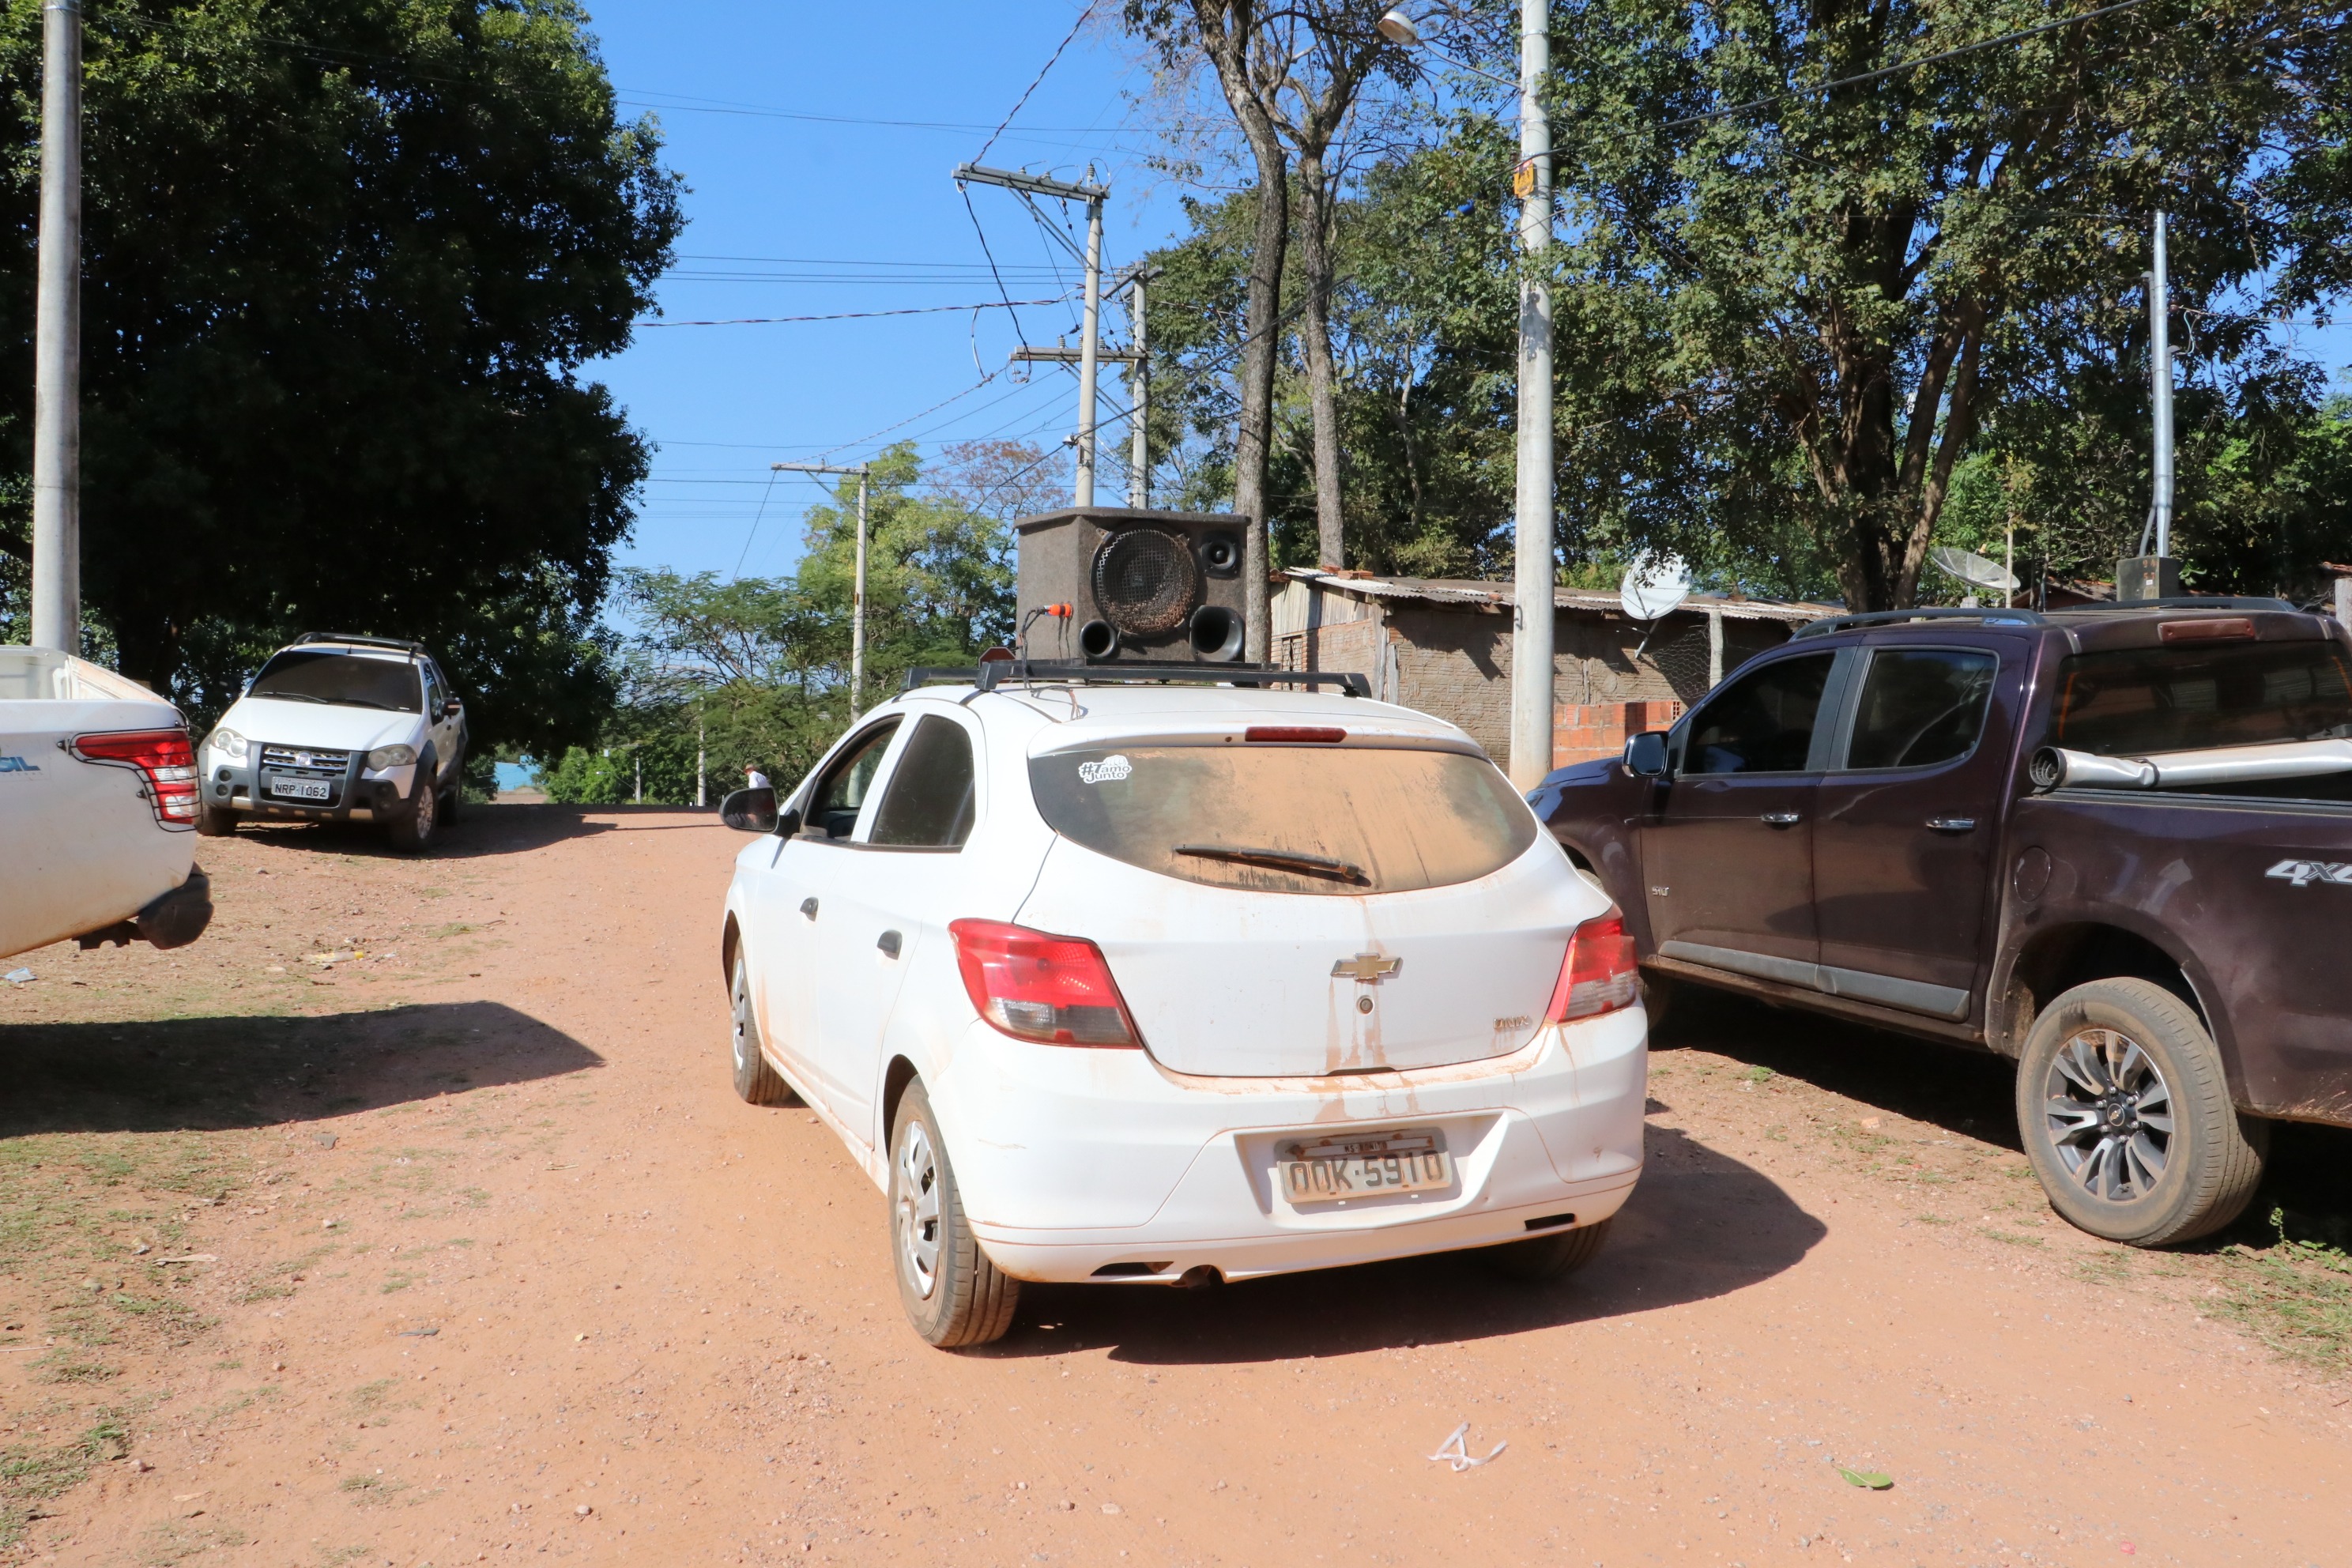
(749, 811)
(452, 708)
(1645, 754)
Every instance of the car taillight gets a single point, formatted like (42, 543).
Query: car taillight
(162, 757)
(1598, 974)
(1054, 990)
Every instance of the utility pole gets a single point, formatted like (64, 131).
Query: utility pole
(57, 337)
(857, 591)
(1090, 336)
(1532, 637)
(1139, 394)
(2156, 577)
(701, 756)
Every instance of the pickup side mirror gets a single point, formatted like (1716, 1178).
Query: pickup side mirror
(452, 708)
(749, 811)
(1645, 754)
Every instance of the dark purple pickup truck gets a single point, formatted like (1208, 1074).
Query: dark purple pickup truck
(2113, 844)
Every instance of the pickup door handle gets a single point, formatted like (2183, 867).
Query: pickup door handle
(889, 942)
(1952, 824)
(808, 908)
(1783, 818)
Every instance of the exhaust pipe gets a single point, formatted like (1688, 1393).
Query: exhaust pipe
(2055, 767)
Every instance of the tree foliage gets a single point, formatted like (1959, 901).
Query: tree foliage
(344, 261)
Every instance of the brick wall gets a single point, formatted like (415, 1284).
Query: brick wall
(1582, 731)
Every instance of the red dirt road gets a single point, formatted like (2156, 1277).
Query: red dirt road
(553, 1290)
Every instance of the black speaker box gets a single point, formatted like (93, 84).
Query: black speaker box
(1156, 586)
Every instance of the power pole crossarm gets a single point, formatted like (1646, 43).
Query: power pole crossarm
(1034, 355)
(1035, 184)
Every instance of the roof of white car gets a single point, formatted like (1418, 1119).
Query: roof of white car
(1080, 715)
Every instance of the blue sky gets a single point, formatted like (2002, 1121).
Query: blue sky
(799, 216)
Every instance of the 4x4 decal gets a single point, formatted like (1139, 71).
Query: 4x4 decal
(2302, 873)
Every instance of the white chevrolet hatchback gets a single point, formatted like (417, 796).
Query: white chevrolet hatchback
(1165, 983)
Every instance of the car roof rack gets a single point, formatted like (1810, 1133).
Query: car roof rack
(988, 677)
(1991, 615)
(402, 645)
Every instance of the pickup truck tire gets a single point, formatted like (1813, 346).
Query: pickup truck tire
(953, 1294)
(755, 1081)
(1552, 1257)
(2125, 1116)
(214, 822)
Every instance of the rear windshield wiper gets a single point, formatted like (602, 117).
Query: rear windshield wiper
(1278, 860)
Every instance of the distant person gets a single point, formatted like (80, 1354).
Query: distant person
(754, 779)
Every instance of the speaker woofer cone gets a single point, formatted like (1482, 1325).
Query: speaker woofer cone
(1216, 634)
(1146, 582)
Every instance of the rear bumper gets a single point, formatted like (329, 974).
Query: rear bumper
(1073, 1161)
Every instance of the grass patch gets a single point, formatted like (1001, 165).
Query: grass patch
(30, 1476)
(2294, 1294)
(396, 1283)
(371, 1491)
(1933, 1219)
(172, 1542)
(2010, 1236)
(1760, 1074)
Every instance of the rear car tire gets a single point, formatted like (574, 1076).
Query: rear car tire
(1555, 1256)
(755, 1080)
(954, 1295)
(214, 822)
(414, 831)
(453, 800)
(1657, 997)
(2125, 1116)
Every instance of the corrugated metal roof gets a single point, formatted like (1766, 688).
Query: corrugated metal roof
(1502, 595)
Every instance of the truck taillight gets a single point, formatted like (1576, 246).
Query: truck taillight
(1054, 990)
(162, 757)
(1598, 974)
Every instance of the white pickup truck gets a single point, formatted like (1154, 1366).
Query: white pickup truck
(98, 809)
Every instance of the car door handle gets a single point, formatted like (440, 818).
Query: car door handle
(888, 942)
(1783, 818)
(1952, 824)
(808, 908)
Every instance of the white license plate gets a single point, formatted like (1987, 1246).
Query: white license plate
(300, 789)
(1335, 1169)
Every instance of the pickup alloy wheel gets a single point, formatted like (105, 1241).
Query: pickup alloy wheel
(2127, 1116)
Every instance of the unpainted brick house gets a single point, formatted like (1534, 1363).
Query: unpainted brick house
(1445, 647)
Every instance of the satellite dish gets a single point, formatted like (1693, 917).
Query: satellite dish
(1654, 586)
(1973, 569)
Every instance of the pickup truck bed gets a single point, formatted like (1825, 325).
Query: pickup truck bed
(97, 808)
(1853, 823)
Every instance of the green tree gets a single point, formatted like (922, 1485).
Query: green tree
(344, 261)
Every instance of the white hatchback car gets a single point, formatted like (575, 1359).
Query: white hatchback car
(1167, 983)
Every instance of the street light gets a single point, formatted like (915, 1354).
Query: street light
(1531, 635)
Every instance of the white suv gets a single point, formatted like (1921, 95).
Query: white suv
(1166, 983)
(342, 729)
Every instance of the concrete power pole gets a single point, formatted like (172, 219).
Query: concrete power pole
(857, 589)
(56, 336)
(2156, 577)
(1139, 394)
(1082, 490)
(1531, 635)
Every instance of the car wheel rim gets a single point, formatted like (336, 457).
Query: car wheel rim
(742, 1010)
(426, 806)
(2108, 1113)
(916, 1210)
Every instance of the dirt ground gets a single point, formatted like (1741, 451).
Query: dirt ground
(409, 1218)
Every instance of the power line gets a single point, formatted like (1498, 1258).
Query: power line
(1897, 68)
(1033, 86)
(847, 315)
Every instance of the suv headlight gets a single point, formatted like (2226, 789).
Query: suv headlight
(229, 744)
(384, 757)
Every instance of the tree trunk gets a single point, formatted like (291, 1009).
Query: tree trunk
(1316, 262)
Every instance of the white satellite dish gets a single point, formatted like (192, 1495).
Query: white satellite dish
(1654, 586)
(1973, 569)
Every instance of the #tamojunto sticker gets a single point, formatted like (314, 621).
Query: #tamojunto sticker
(1110, 770)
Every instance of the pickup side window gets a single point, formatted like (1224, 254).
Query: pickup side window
(1762, 722)
(930, 801)
(841, 793)
(1920, 706)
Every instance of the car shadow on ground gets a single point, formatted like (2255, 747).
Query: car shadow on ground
(211, 1074)
(478, 832)
(1969, 1093)
(1699, 1225)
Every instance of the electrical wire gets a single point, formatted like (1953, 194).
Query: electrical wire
(1033, 86)
(847, 315)
(756, 516)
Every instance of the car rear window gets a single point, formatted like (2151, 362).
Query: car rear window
(2134, 702)
(341, 677)
(1311, 819)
